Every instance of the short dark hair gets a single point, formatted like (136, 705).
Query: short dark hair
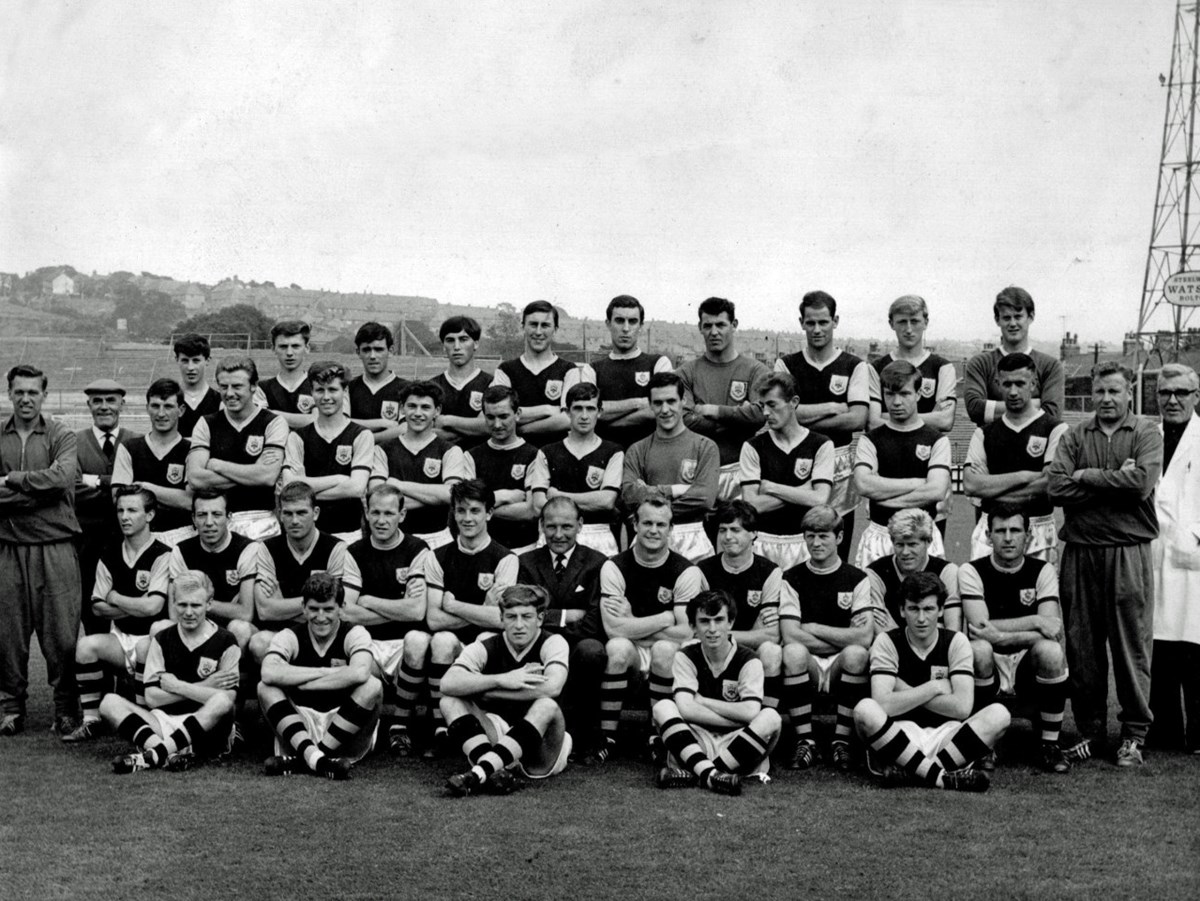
(715, 306)
(498, 394)
(1016, 362)
(460, 324)
(1007, 511)
(898, 374)
(534, 596)
(624, 302)
(293, 492)
(778, 381)
(737, 510)
(665, 380)
(1015, 299)
(539, 306)
(323, 587)
(1113, 367)
(815, 299)
(918, 586)
(286, 328)
(233, 364)
(27, 371)
(422, 389)
(136, 489)
(325, 371)
(472, 490)
(655, 502)
(384, 488)
(209, 494)
(192, 345)
(582, 391)
(164, 389)
(370, 332)
(710, 603)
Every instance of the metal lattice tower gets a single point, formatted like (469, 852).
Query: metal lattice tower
(1175, 236)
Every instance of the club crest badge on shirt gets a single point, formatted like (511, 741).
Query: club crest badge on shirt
(729, 689)
(142, 579)
(485, 580)
(432, 467)
(642, 379)
(231, 577)
(922, 451)
(928, 386)
(344, 454)
(390, 410)
(802, 467)
(737, 391)
(1028, 596)
(838, 384)
(687, 469)
(401, 574)
(304, 403)
(254, 445)
(595, 475)
(1035, 446)
(554, 389)
(206, 667)
(174, 473)
(517, 471)
(476, 401)
(753, 598)
(665, 595)
(845, 599)
(939, 672)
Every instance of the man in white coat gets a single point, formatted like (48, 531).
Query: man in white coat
(1175, 668)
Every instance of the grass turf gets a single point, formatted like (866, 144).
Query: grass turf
(71, 829)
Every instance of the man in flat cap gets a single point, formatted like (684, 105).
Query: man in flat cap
(96, 449)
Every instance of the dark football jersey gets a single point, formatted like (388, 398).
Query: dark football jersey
(828, 384)
(339, 652)
(220, 567)
(243, 446)
(825, 598)
(903, 455)
(190, 665)
(133, 581)
(468, 576)
(188, 415)
(1019, 451)
(385, 574)
(281, 400)
(579, 474)
(620, 380)
(383, 403)
(746, 587)
(535, 390)
(930, 369)
(169, 472)
(424, 466)
(719, 686)
(504, 469)
(885, 569)
(333, 458)
(650, 589)
(793, 468)
(1009, 595)
(943, 661)
(291, 574)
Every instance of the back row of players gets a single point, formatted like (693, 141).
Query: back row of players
(673, 445)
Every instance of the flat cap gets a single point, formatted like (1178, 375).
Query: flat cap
(105, 386)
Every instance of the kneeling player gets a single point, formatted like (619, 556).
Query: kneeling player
(191, 687)
(918, 718)
(1011, 604)
(499, 698)
(715, 725)
(317, 690)
(825, 618)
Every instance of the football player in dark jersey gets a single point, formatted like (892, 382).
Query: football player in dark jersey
(624, 375)
(462, 383)
(374, 396)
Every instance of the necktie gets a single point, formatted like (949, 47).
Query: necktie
(560, 564)
(109, 447)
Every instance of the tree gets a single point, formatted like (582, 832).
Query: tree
(505, 336)
(239, 319)
(150, 315)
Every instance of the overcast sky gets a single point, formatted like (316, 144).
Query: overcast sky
(498, 151)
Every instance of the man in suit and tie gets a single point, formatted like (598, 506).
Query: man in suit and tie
(570, 572)
(96, 449)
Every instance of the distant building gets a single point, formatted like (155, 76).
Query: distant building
(61, 284)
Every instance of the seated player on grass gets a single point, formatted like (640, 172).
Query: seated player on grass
(918, 719)
(1010, 601)
(715, 726)
(191, 687)
(644, 593)
(317, 691)
(825, 618)
(130, 592)
(499, 699)
(390, 566)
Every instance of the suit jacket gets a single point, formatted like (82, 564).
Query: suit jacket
(578, 588)
(93, 506)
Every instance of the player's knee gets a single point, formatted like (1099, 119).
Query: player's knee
(868, 715)
(767, 722)
(854, 659)
(113, 707)
(771, 656)
(268, 695)
(452, 708)
(443, 647)
(795, 658)
(369, 693)
(662, 656)
(621, 654)
(984, 659)
(221, 704)
(996, 718)
(141, 649)
(86, 649)
(241, 631)
(1048, 655)
(416, 648)
(664, 710)
(260, 643)
(543, 711)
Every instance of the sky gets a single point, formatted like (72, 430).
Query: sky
(492, 152)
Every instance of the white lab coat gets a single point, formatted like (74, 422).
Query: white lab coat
(1177, 548)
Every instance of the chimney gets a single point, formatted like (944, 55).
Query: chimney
(1069, 347)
